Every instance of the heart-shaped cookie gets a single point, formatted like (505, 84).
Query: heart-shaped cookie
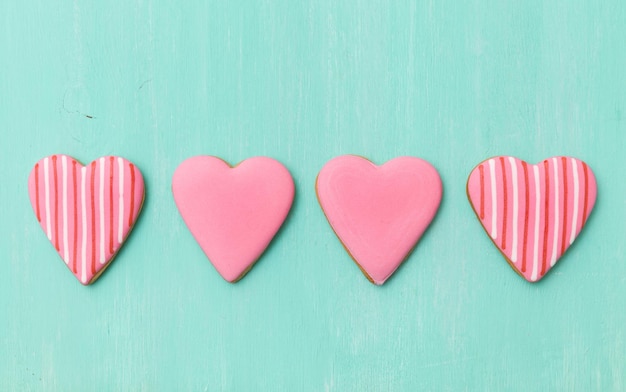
(379, 212)
(532, 213)
(233, 212)
(86, 211)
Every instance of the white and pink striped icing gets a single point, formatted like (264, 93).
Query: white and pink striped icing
(86, 211)
(533, 213)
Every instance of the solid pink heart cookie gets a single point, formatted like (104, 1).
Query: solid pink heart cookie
(233, 212)
(86, 211)
(379, 212)
(532, 213)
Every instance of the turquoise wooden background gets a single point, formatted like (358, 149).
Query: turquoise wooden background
(452, 82)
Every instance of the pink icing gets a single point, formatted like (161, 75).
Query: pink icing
(86, 242)
(553, 200)
(379, 212)
(235, 212)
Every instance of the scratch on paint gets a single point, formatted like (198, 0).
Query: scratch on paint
(144, 83)
(64, 107)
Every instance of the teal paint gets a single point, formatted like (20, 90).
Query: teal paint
(450, 82)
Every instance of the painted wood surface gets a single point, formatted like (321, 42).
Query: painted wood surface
(451, 82)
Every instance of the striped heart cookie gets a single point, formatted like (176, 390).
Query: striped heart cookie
(86, 211)
(532, 213)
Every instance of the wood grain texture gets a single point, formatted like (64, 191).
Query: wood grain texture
(451, 82)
